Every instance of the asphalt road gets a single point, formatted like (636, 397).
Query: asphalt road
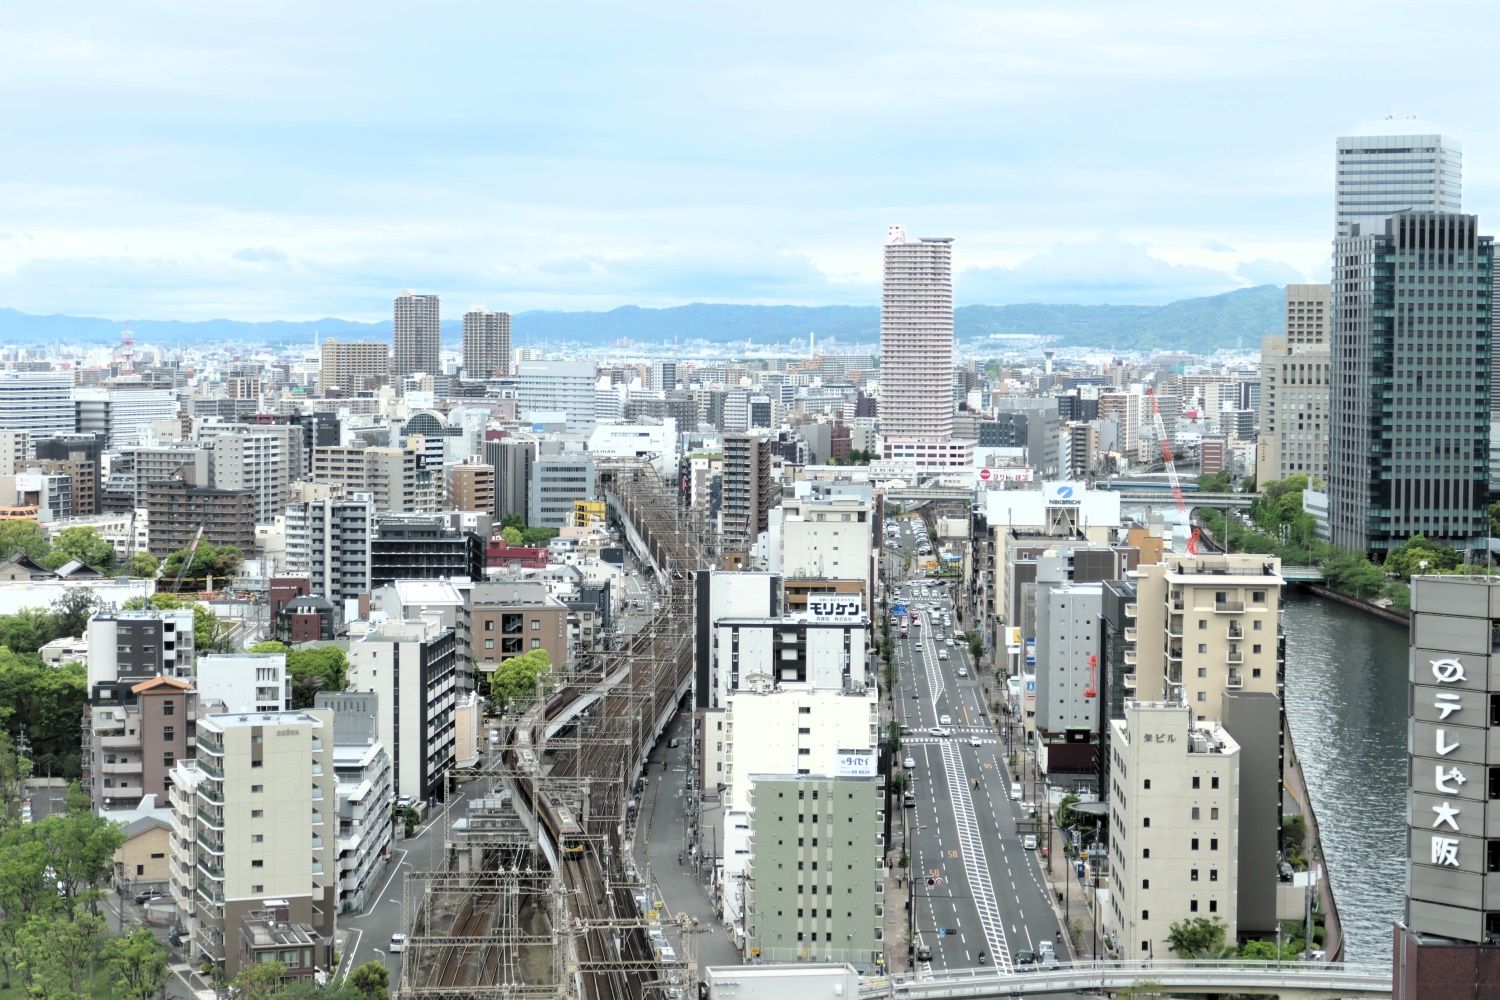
(986, 890)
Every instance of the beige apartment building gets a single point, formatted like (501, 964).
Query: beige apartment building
(1208, 625)
(255, 830)
(1174, 803)
(354, 366)
(1294, 390)
(509, 617)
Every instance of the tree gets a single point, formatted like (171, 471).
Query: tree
(1198, 938)
(14, 770)
(538, 536)
(25, 891)
(1417, 555)
(893, 736)
(58, 952)
(219, 562)
(1214, 482)
(314, 669)
(142, 566)
(514, 681)
(49, 703)
(371, 980)
(81, 850)
(137, 965)
(207, 629)
(71, 612)
(22, 535)
(511, 535)
(513, 521)
(1266, 951)
(28, 630)
(259, 981)
(1352, 573)
(84, 544)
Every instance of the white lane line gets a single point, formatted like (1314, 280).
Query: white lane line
(976, 866)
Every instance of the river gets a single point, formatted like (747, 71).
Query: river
(1346, 697)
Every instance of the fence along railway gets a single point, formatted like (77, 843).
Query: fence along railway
(537, 896)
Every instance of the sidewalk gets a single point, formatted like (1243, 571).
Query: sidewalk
(896, 924)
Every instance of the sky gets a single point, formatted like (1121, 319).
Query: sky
(287, 160)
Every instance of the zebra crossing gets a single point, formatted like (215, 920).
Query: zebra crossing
(934, 740)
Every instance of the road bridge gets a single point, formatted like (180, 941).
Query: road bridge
(1290, 981)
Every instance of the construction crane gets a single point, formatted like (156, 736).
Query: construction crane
(1166, 458)
(187, 560)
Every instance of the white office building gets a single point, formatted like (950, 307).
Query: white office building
(37, 402)
(551, 387)
(123, 416)
(1382, 174)
(328, 541)
(243, 682)
(413, 667)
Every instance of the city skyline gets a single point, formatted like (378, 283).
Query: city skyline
(247, 167)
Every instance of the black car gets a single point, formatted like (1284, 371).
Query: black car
(146, 895)
(1025, 957)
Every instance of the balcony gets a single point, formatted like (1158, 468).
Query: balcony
(1174, 627)
(214, 821)
(1132, 612)
(1130, 658)
(120, 767)
(1235, 655)
(1229, 607)
(211, 791)
(211, 846)
(1235, 681)
(1129, 682)
(1174, 654)
(1130, 634)
(120, 741)
(208, 767)
(1234, 632)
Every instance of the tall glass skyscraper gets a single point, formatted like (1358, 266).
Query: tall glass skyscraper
(1380, 175)
(1410, 372)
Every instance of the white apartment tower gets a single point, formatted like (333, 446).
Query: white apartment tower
(1380, 175)
(415, 337)
(486, 344)
(916, 352)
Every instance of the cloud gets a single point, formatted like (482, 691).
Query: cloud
(1216, 246)
(1104, 270)
(261, 255)
(1269, 272)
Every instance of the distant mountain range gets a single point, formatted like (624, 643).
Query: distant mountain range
(1202, 325)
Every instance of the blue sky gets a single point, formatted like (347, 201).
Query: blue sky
(293, 160)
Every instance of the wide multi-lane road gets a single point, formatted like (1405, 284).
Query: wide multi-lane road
(976, 888)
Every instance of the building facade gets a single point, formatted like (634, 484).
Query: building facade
(507, 618)
(328, 541)
(176, 512)
(354, 366)
(1294, 387)
(549, 388)
(748, 493)
(1409, 408)
(557, 482)
(416, 337)
(423, 547)
(412, 667)
(486, 344)
(1380, 175)
(37, 402)
(471, 487)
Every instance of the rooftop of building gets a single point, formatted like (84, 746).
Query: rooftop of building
(1232, 568)
(1197, 737)
(513, 593)
(221, 721)
(268, 932)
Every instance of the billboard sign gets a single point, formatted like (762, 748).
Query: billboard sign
(837, 608)
(856, 764)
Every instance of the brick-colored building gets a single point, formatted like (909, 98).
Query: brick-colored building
(508, 618)
(471, 487)
(176, 511)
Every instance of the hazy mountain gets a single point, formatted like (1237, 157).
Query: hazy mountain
(1238, 318)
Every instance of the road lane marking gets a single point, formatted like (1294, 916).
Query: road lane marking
(976, 866)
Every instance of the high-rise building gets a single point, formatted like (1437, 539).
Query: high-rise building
(1450, 933)
(38, 402)
(177, 511)
(416, 337)
(363, 768)
(1410, 370)
(78, 457)
(423, 547)
(354, 366)
(513, 460)
(1174, 827)
(413, 667)
(471, 487)
(748, 493)
(122, 416)
(254, 871)
(1294, 390)
(557, 390)
(263, 459)
(509, 617)
(486, 344)
(557, 483)
(1380, 175)
(916, 352)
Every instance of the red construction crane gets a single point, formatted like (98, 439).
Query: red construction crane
(1166, 457)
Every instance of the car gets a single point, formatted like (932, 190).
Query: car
(938, 731)
(1025, 957)
(914, 694)
(963, 671)
(1044, 947)
(975, 741)
(1029, 842)
(945, 720)
(909, 761)
(1015, 791)
(398, 944)
(1049, 960)
(924, 953)
(147, 895)
(674, 743)
(942, 654)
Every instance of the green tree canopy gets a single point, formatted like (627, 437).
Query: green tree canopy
(1198, 938)
(538, 536)
(371, 980)
(513, 521)
(219, 562)
(1418, 555)
(48, 702)
(208, 630)
(514, 681)
(22, 535)
(511, 535)
(137, 965)
(84, 544)
(312, 669)
(142, 565)
(71, 612)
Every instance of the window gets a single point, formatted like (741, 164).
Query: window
(1193, 875)
(1213, 843)
(1255, 672)
(1195, 812)
(168, 733)
(1202, 648)
(536, 624)
(1192, 906)
(489, 624)
(1146, 822)
(1196, 781)
(168, 758)
(1202, 695)
(1202, 672)
(1145, 914)
(1255, 647)
(1145, 883)
(1258, 596)
(169, 707)
(257, 789)
(257, 838)
(536, 644)
(489, 644)
(1213, 782)
(1213, 874)
(1255, 625)
(1195, 843)
(257, 863)
(257, 813)
(1213, 906)
(1145, 854)
(1147, 784)
(1203, 623)
(1213, 812)
(257, 889)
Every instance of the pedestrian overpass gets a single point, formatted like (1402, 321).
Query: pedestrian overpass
(1287, 980)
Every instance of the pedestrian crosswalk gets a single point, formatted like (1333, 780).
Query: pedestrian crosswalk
(932, 740)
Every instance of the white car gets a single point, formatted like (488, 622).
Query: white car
(975, 741)
(909, 761)
(1029, 842)
(938, 731)
(398, 944)
(945, 721)
(963, 671)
